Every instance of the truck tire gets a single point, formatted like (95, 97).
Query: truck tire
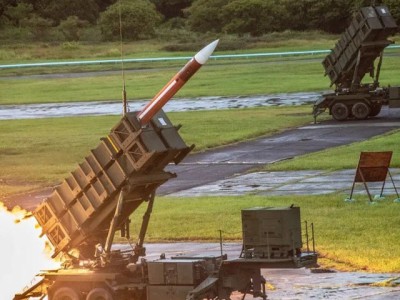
(340, 111)
(361, 110)
(66, 293)
(375, 110)
(99, 294)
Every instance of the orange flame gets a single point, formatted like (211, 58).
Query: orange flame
(23, 253)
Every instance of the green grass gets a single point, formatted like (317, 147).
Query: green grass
(358, 235)
(211, 80)
(343, 157)
(16, 53)
(224, 77)
(43, 151)
(254, 76)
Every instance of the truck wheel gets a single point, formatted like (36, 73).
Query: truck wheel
(375, 110)
(360, 110)
(65, 293)
(99, 294)
(340, 111)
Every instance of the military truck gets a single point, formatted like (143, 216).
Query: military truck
(359, 52)
(83, 213)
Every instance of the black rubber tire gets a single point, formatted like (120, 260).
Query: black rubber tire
(66, 293)
(360, 110)
(99, 294)
(375, 110)
(340, 111)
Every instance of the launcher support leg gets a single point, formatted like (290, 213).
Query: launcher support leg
(378, 70)
(355, 83)
(139, 249)
(113, 224)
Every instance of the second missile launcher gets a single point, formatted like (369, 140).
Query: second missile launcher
(358, 53)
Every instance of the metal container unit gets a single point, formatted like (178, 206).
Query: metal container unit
(184, 277)
(271, 232)
(131, 158)
(176, 271)
(173, 279)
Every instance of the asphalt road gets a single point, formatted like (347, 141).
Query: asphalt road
(210, 166)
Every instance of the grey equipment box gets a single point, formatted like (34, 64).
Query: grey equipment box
(169, 292)
(176, 271)
(270, 232)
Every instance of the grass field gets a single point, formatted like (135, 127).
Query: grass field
(253, 77)
(250, 78)
(353, 236)
(222, 77)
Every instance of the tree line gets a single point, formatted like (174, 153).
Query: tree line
(75, 20)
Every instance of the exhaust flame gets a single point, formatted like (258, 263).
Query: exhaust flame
(23, 253)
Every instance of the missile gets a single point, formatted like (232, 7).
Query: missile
(175, 84)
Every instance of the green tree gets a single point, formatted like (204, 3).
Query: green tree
(252, 16)
(394, 7)
(206, 15)
(139, 19)
(38, 26)
(4, 4)
(104, 4)
(295, 15)
(19, 12)
(171, 8)
(71, 28)
(58, 10)
(330, 15)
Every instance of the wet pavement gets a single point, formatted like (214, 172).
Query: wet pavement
(296, 283)
(211, 167)
(51, 110)
(308, 182)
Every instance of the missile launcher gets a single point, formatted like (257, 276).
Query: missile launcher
(357, 54)
(100, 196)
(130, 160)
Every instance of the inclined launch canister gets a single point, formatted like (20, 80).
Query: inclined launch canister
(129, 160)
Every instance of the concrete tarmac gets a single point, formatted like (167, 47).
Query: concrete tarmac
(295, 283)
(308, 182)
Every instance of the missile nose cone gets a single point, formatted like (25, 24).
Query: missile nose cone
(202, 56)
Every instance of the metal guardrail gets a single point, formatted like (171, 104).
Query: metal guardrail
(154, 59)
